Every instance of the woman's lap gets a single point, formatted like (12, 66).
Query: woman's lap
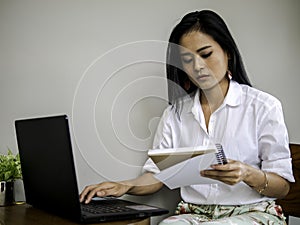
(261, 213)
(253, 218)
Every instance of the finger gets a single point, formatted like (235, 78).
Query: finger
(218, 174)
(210, 173)
(98, 191)
(231, 165)
(230, 180)
(116, 190)
(90, 195)
(89, 192)
(226, 177)
(85, 191)
(102, 190)
(108, 192)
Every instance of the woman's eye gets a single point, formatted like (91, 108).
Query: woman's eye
(206, 55)
(187, 60)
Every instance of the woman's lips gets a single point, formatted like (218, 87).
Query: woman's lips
(202, 77)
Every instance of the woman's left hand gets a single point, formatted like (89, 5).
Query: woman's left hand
(231, 173)
(235, 172)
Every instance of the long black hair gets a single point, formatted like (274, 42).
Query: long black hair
(212, 24)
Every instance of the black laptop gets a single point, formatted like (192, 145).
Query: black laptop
(50, 179)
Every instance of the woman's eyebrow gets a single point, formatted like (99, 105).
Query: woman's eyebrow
(198, 50)
(203, 48)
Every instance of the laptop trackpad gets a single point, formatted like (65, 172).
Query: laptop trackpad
(140, 207)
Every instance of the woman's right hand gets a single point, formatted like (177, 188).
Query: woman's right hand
(142, 185)
(102, 190)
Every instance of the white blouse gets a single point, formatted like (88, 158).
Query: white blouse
(249, 125)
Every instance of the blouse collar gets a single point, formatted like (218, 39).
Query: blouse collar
(233, 97)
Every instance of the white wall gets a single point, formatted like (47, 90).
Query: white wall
(95, 61)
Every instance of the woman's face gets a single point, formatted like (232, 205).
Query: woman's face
(203, 59)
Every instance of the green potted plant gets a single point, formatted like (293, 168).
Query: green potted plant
(10, 170)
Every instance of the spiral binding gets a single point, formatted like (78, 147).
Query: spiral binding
(221, 158)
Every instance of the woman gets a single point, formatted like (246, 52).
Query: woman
(212, 100)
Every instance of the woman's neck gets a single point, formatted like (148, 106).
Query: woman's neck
(212, 98)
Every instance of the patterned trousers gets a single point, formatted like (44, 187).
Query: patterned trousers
(260, 213)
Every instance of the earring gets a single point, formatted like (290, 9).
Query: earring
(229, 74)
(187, 84)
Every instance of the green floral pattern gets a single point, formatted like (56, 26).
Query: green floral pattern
(260, 213)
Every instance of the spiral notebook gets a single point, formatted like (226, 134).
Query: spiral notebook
(187, 172)
(220, 155)
(165, 158)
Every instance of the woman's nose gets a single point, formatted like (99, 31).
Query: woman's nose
(198, 63)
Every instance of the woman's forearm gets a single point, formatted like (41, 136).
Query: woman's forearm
(143, 185)
(266, 183)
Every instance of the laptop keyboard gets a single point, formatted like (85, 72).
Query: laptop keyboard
(105, 207)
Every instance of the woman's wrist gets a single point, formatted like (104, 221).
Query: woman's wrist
(143, 185)
(266, 183)
(128, 185)
(257, 179)
(262, 188)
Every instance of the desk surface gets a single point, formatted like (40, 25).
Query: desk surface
(27, 215)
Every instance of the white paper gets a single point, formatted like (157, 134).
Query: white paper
(188, 172)
(165, 158)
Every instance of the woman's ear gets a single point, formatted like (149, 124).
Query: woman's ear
(228, 56)
(187, 84)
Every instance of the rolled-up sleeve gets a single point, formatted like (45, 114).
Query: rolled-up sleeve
(162, 139)
(274, 143)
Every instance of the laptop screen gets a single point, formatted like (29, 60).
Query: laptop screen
(47, 164)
